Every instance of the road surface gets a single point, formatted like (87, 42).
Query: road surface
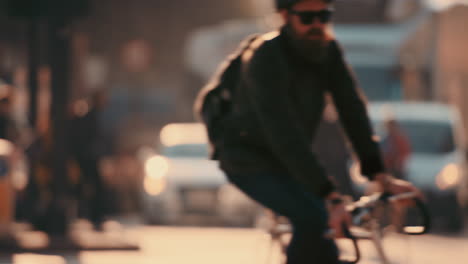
(182, 245)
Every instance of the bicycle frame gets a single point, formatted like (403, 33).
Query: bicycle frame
(366, 224)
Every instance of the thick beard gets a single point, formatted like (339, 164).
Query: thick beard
(312, 51)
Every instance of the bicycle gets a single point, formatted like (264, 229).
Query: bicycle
(367, 224)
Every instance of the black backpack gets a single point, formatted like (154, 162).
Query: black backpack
(214, 102)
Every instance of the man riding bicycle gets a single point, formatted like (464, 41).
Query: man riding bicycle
(265, 147)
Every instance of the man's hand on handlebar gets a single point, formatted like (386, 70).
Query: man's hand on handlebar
(387, 184)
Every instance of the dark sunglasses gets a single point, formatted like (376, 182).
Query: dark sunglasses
(308, 17)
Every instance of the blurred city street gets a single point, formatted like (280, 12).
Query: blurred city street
(105, 158)
(180, 245)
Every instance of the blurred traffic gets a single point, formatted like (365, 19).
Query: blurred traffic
(180, 182)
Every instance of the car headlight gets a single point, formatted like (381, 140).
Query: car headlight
(154, 186)
(156, 168)
(355, 172)
(448, 177)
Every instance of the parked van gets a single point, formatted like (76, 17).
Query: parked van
(437, 163)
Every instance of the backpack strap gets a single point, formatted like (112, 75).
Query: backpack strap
(220, 75)
(214, 100)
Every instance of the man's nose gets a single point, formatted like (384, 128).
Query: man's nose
(317, 23)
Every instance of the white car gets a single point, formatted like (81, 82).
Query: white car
(437, 164)
(182, 185)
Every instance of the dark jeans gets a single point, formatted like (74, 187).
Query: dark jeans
(306, 212)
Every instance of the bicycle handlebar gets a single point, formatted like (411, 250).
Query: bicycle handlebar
(426, 220)
(361, 212)
(362, 208)
(422, 211)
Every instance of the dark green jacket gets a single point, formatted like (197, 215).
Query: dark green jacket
(278, 106)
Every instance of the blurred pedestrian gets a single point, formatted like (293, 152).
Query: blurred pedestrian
(86, 151)
(396, 148)
(10, 144)
(8, 127)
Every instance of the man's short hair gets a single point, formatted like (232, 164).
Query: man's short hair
(286, 4)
